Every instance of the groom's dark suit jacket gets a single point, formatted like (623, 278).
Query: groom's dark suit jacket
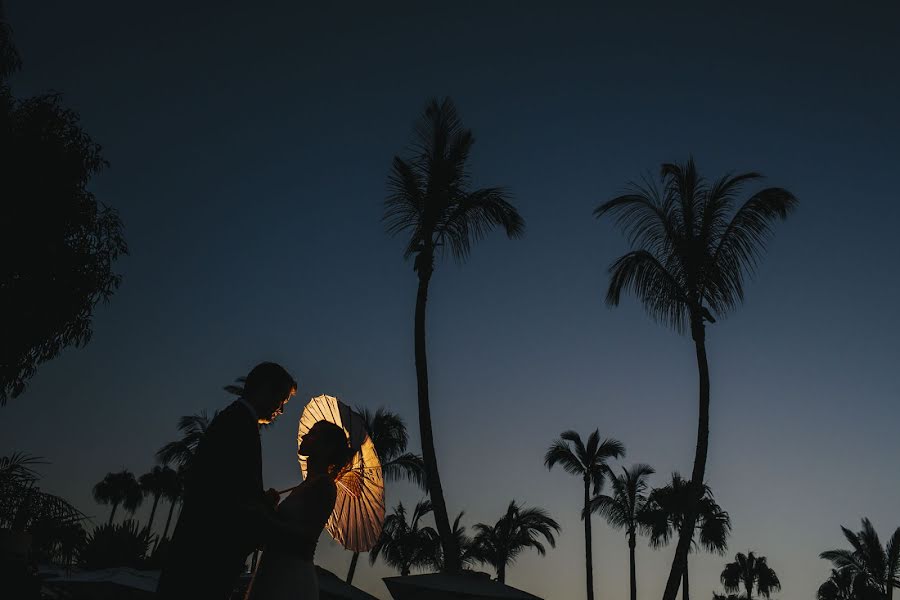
(217, 528)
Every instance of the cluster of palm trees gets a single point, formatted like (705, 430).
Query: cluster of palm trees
(632, 506)
(692, 248)
(408, 545)
(163, 482)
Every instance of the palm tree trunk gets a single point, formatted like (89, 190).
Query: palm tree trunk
(588, 557)
(435, 490)
(352, 570)
(632, 542)
(153, 512)
(685, 591)
(679, 563)
(501, 573)
(112, 513)
(168, 520)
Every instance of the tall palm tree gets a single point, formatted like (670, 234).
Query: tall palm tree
(180, 452)
(500, 544)
(622, 509)
(588, 461)
(431, 200)
(389, 436)
(119, 488)
(154, 484)
(691, 253)
(668, 507)
(875, 569)
(747, 571)
(407, 545)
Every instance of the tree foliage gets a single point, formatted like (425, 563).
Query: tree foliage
(117, 545)
(667, 507)
(520, 529)
(407, 545)
(749, 572)
(692, 245)
(59, 243)
(872, 569)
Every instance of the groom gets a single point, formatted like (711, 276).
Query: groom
(225, 513)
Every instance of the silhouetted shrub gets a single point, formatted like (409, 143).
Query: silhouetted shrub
(123, 545)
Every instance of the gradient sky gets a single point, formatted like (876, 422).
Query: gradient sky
(249, 149)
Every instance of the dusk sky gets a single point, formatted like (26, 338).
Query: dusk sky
(249, 149)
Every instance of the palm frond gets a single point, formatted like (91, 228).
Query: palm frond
(19, 467)
(741, 245)
(575, 439)
(474, 216)
(644, 216)
(407, 466)
(429, 197)
(560, 453)
(643, 275)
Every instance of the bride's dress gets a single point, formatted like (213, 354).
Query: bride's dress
(286, 571)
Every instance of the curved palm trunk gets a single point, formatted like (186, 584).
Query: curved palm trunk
(588, 556)
(352, 570)
(112, 513)
(632, 542)
(679, 563)
(435, 491)
(685, 591)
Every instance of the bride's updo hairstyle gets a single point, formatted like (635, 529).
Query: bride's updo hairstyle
(335, 446)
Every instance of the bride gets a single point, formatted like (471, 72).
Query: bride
(285, 570)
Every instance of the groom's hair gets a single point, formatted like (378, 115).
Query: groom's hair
(268, 376)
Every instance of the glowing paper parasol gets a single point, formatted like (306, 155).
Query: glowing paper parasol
(359, 510)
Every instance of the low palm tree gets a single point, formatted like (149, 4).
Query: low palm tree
(623, 509)
(516, 531)
(154, 484)
(430, 199)
(588, 461)
(407, 545)
(180, 452)
(691, 253)
(388, 433)
(749, 571)
(839, 586)
(667, 508)
(119, 488)
(467, 552)
(875, 569)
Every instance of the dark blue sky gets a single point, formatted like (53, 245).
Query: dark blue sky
(249, 148)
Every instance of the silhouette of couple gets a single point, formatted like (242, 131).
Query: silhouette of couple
(226, 515)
